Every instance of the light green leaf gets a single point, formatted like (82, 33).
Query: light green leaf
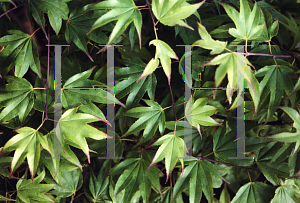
(20, 51)
(208, 43)
(164, 52)
(17, 98)
(150, 118)
(172, 12)
(56, 10)
(286, 193)
(171, 149)
(32, 190)
(254, 192)
(27, 144)
(246, 22)
(2, 198)
(125, 11)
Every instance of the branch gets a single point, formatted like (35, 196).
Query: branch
(10, 10)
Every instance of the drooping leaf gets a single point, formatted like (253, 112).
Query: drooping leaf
(27, 144)
(164, 53)
(129, 86)
(20, 51)
(199, 113)
(247, 22)
(207, 42)
(33, 191)
(125, 11)
(150, 118)
(254, 192)
(198, 177)
(171, 149)
(172, 12)
(56, 10)
(17, 98)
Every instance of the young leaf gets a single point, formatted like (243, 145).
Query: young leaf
(27, 144)
(125, 11)
(271, 28)
(246, 22)
(164, 52)
(254, 192)
(171, 148)
(286, 193)
(199, 113)
(150, 118)
(20, 51)
(56, 10)
(33, 191)
(17, 98)
(207, 42)
(172, 12)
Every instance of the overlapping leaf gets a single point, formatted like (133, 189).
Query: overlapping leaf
(270, 29)
(276, 79)
(33, 191)
(171, 149)
(199, 113)
(164, 53)
(247, 22)
(286, 193)
(17, 98)
(56, 10)
(172, 12)
(150, 118)
(198, 177)
(27, 144)
(125, 11)
(135, 176)
(20, 51)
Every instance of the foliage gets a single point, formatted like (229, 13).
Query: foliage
(154, 160)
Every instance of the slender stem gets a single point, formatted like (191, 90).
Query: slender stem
(286, 51)
(181, 118)
(167, 107)
(35, 31)
(173, 103)
(41, 125)
(48, 67)
(39, 88)
(152, 19)
(10, 10)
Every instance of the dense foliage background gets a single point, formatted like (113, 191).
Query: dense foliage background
(150, 83)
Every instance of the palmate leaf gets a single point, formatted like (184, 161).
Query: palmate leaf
(276, 79)
(254, 192)
(56, 10)
(247, 22)
(199, 113)
(198, 177)
(150, 118)
(27, 144)
(171, 149)
(135, 176)
(33, 191)
(164, 53)
(20, 51)
(17, 98)
(286, 193)
(271, 28)
(75, 129)
(171, 13)
(129, 86)
(125, 11)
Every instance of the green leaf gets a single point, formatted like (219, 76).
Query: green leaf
(125, 11)
(276, 79)
(135, 175)
(172, 12)
(56, 10)
(20, 51)
(198, 177)
(294, 28)
(129, 86)
(33, 191)
(199, 113)
(254, 192)
(208, 43)
(164, 53)
(41, 97)
(247, 22)
(171, 148)
(17, 98)
(271, 28)
(150, 118)
(228, 64)
(2, 198)
(75, 129)
(27, 144)
(286, 193)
